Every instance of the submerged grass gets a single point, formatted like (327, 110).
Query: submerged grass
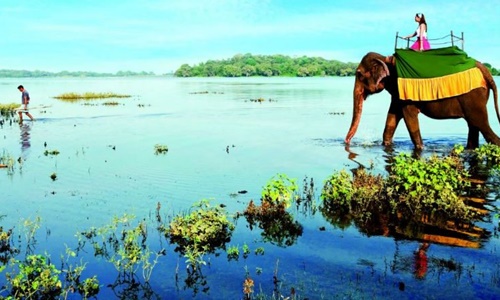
(73, 97)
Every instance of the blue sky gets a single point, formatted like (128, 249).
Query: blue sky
(161, 35)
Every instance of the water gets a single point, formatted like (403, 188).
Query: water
(220, 142)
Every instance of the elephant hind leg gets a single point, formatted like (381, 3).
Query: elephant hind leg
(491, 137)
(473, 137)
(482, 125)
(476, 115)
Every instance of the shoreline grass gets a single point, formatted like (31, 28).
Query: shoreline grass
(6, 109)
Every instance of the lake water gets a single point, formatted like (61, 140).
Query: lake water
(220, 142)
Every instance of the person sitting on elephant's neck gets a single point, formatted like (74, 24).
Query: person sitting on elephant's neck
(421, 33)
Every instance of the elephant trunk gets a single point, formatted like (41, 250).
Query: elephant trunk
(358, 98)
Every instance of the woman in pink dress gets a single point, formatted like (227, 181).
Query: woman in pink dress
(421, 33)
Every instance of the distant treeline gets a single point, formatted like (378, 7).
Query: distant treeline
(268, 65)
(274, 65)
(37, 73)
(239, 66)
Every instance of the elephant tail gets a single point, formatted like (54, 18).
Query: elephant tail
(490, 84)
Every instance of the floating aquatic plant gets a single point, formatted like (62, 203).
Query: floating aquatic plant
(161, 149)
(52, 152)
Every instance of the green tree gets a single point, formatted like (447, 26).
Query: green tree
(184, 71)
(232, 71)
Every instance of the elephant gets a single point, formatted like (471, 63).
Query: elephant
(377, 72)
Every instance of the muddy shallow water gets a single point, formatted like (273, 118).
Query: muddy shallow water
(221, 142)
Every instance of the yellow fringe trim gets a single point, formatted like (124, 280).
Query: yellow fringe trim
(428, 89)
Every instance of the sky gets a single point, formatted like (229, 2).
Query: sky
(160, 35)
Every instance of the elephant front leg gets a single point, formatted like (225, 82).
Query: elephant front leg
(410, 115)
(394, 115)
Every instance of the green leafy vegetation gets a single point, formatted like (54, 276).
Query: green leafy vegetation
(278, 225)
(434, 190)
(36, 279)
(35, 276)
(246, 65)
(428, 187)
(233, 253)
(204, 230)
(259, 251)
(280, 190)
(489, 155)
(124, 245)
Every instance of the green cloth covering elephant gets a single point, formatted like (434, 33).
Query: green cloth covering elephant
(432, 63)
(436, 74)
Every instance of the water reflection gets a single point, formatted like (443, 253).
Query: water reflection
(278, 226)
(7, 250)
(129, 286)
(25, 140)
(352, 155)
(421, 261)
(422, 264)
(377, 218)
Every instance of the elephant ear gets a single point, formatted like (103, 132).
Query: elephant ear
(385, 70)
(384, 65)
